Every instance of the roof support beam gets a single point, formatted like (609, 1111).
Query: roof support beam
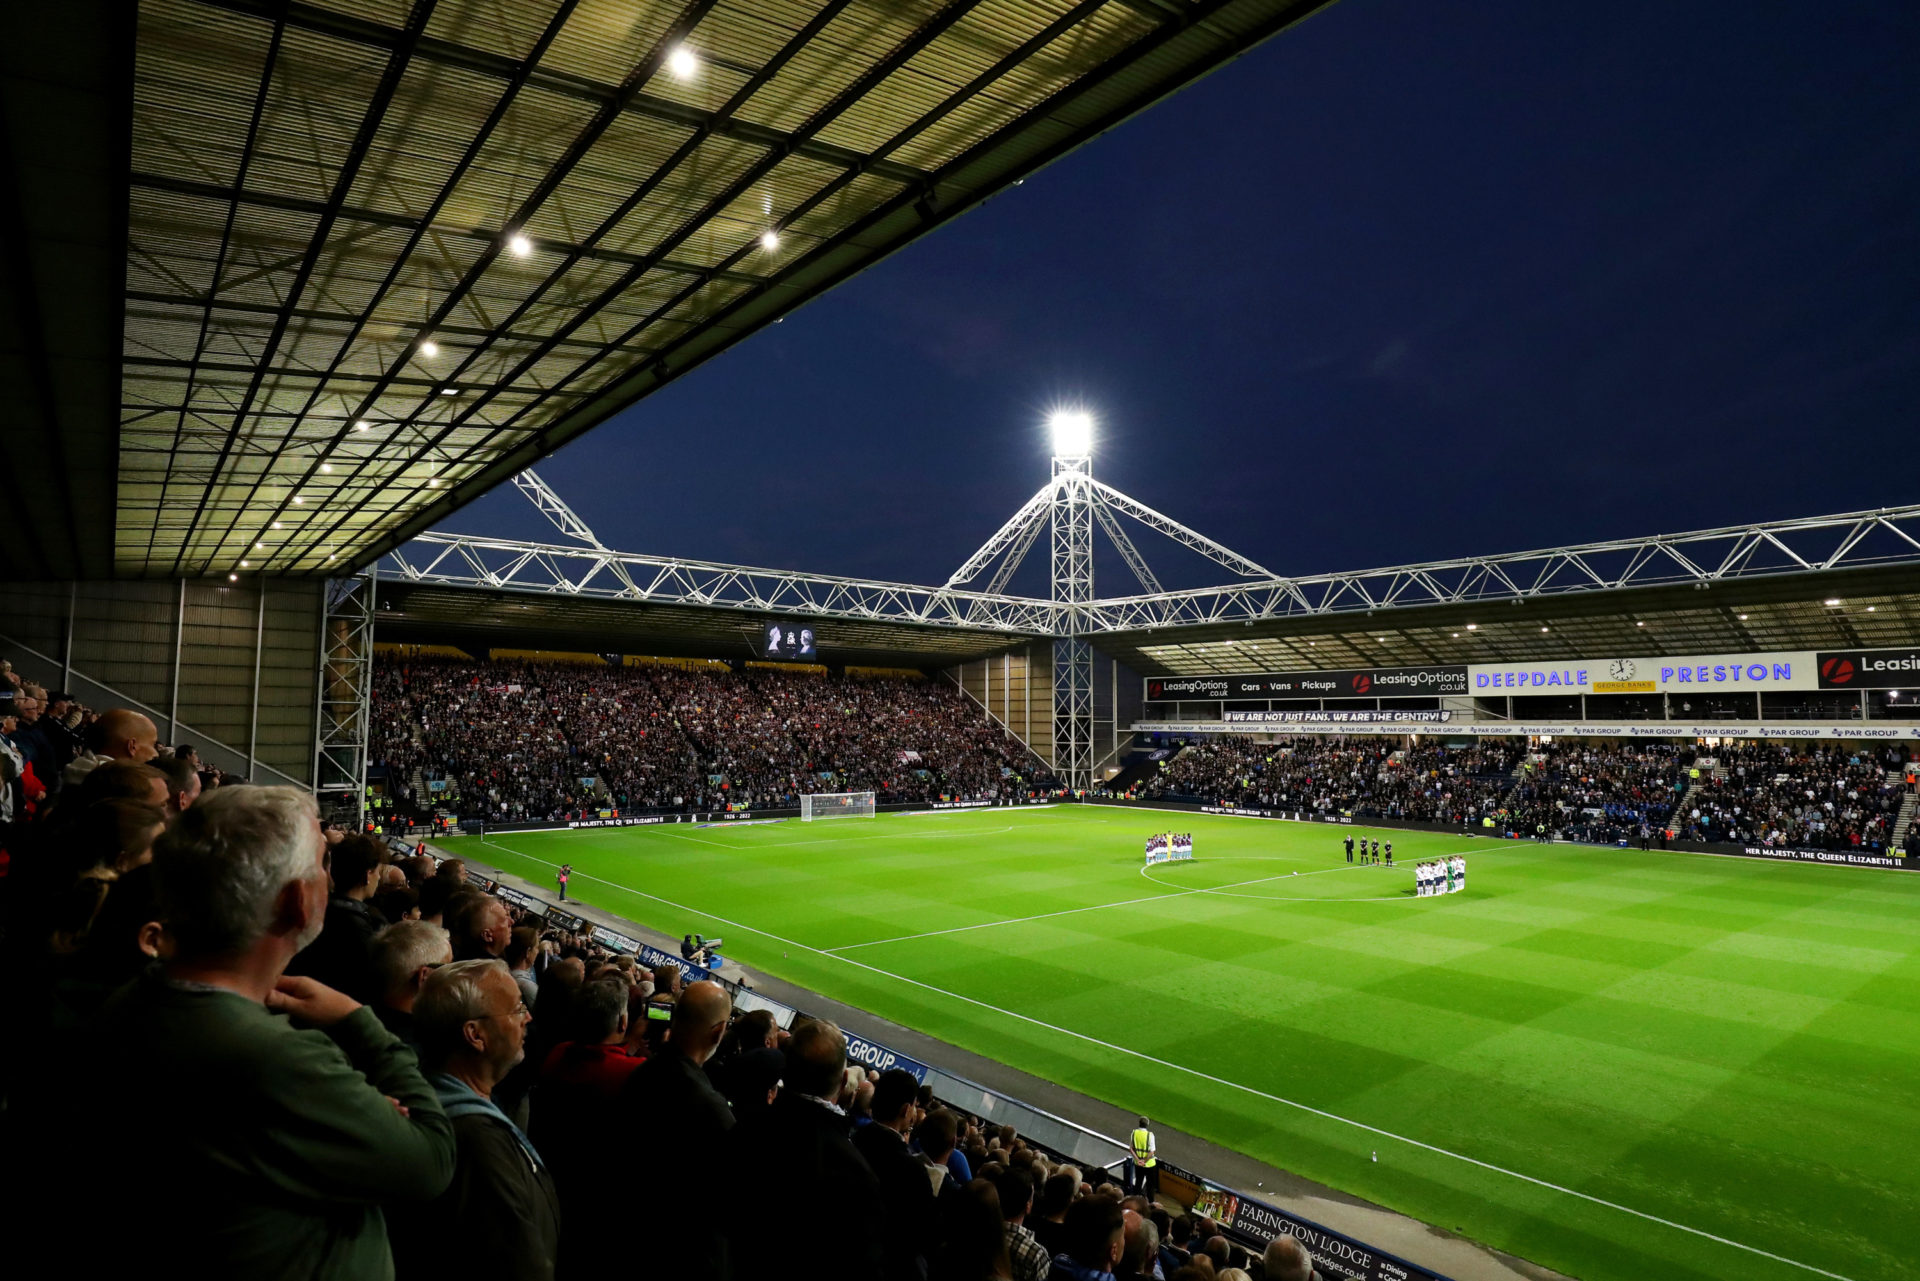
(377, 35)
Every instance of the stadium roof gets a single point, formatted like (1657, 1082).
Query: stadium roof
(1876, 606)
(351, 263)
(477, 620)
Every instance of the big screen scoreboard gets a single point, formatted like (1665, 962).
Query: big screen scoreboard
(786, 640)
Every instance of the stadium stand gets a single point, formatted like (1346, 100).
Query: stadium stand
(509, 739)
(1768, 794)
(460, 1067)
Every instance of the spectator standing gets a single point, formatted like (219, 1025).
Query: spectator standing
(403, 955)
(906, 1196)
(501, 1214)
(1287, 1260)
(183, 784)
(287, 1115)
(1029, 1259)
(479, 923)
(523, 948)
(670, 1110)
(1096, 1238)
(796, 1176)
(119, 735)
(342, 957)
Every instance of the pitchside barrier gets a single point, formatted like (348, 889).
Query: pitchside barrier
(1251, 1222)
(1832, 858)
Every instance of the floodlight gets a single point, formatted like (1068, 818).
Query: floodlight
(1072, 433)
(362, 425)
(682, 63)
(520, 245)
(429, 348)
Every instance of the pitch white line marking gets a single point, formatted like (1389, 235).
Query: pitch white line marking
(1210, 1078)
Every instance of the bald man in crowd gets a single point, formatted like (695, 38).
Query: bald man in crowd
(119, 735)
(671, 1111)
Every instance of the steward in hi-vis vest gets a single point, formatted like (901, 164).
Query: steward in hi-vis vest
(1143, 1163)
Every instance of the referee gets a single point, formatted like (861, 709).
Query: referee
(1349, 847)
(1146, 1167)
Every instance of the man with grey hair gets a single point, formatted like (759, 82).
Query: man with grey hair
(404, 954)
(1287, 1260)
(501, 1215)
(287, 1115)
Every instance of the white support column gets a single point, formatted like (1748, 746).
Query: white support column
(1071, 522)
(346, 691)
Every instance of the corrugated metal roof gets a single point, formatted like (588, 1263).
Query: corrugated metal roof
(331, 340)
(1872, 607)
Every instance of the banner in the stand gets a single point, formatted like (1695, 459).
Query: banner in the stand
(1868, 669)
(1255, 1223)
(1337, 718)
(1361, 682)
(871, 1054)
(639, 820)
(1851, 731)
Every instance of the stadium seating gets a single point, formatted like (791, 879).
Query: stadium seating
(1603, 792)
(520, 740)
(121, 885)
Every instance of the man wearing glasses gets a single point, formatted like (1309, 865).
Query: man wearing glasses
(501, 1216)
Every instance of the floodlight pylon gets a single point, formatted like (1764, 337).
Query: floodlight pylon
(1071, 518)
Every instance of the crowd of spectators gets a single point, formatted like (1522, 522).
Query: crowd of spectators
(1774, 794)
(284, 1049)
(505, 739)
(1780, 794)
(1366, 778)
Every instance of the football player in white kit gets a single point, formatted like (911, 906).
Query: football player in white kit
(1459, 872)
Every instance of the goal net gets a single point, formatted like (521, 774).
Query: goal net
(835, 805)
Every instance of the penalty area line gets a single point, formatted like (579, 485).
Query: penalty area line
(1197, 1074)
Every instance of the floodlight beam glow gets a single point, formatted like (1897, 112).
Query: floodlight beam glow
(1072, 433)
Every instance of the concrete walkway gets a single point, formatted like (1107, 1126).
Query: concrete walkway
(1443, 1252)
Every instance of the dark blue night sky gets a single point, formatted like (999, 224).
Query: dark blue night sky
(1413, 280)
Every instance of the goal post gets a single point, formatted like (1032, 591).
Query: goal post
(825, 805)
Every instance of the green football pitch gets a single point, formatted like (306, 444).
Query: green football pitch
(1621, 1065)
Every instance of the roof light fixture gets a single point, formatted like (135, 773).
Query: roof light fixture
(682, 63)
(233, 578)
(1473, 627)
(276, 524)
(243, 564)
(769, 239)
(327, 468)
(362, 425)
(428, 347)
(1832, 602)
(520, 245)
